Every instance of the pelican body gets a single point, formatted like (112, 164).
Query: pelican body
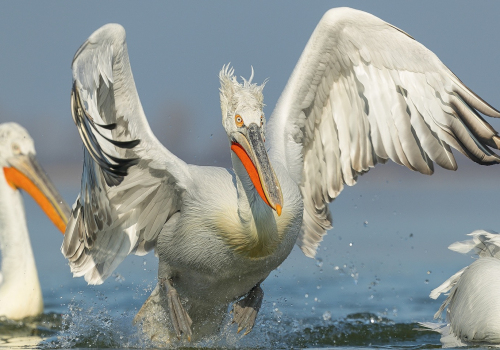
(211, 281)
(20, 292)
(473, 302)
(362, 92)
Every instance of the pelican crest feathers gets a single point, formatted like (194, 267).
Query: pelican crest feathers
(233, 93)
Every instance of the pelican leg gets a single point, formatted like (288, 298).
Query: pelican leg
(178, 315)
(246, 309)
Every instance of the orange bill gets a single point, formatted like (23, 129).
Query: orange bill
(251, 169)
(251, 152)
(25, 173)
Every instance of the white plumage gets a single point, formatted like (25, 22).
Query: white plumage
(472, 305)
(20, 292)
(362, 92)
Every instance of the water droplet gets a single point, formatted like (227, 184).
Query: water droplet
(365, 224)
(318, 287)
(411, 235)
(307, 295)
(118, 277)
(327, 315)
(426, 281)
(319, 262)
(429, 272)
(350, 244)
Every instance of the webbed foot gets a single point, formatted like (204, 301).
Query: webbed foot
(246, 309)
(178, 315)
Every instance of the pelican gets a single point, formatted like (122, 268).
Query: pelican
(473, 303)
(362, 92)
(20, 292)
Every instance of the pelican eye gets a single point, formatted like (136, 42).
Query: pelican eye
(238, 120)
(16, 149)
(261, 120)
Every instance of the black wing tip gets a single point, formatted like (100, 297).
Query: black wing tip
(114, 168)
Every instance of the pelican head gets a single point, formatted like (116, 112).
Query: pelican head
(244, 121)
(22, 171)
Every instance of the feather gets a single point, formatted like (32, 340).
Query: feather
(118, 182)
(386, 96)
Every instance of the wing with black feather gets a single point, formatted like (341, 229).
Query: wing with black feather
(131, 184)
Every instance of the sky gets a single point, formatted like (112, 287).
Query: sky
(177, 49)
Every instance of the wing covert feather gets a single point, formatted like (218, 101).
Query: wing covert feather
(363, 92)
(131, 184)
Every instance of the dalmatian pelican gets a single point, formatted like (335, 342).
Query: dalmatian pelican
(473, 305)
(20, 292)
(362, 92)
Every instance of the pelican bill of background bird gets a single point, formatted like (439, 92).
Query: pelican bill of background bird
(473, 302)
(20, 292)
(362, 92)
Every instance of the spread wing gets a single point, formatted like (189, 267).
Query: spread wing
(131, 185)
(363, 92)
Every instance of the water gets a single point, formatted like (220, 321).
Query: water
(368, 287)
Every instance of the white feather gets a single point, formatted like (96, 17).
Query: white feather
(385, 96)
(473, 305)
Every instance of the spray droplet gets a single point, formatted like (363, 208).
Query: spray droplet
(327, 315)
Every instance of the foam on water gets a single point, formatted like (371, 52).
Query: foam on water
(91, 322)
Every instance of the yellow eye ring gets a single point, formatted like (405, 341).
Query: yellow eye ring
(238, 120)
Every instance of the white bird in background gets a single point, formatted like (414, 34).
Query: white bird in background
(20, 292)
(362, 92)
(473, 302)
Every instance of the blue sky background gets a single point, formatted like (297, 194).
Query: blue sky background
(177, 49)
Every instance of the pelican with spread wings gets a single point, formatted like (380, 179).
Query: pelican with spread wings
(362, 92)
